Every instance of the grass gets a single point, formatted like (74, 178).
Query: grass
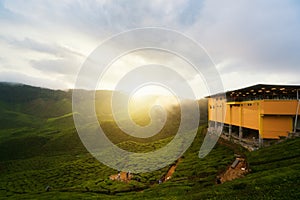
(81, 173)
(274, 176)
(39, 146)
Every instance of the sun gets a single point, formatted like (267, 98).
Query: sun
(151, 90)
(153, 94)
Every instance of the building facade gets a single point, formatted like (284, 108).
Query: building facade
(259, 111)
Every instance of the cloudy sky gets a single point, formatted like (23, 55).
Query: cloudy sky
(45, 43)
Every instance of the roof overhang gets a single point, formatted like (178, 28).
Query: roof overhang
(262, 91)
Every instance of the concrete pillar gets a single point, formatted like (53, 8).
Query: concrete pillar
(240, 133)
(260, 141)
(230, 131)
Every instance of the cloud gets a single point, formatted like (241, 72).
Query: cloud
(251, 36)
(46, 81)
(190, 12)
(63, 66)
(250, 41)
(40, 57)
(31, 44)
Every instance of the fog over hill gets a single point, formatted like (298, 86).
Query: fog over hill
(34, 107)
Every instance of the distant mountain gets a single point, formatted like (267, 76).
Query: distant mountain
(34, 117)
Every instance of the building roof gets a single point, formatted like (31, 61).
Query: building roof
(262, 91)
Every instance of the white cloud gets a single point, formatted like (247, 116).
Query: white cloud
(257, 38)
(250, 41)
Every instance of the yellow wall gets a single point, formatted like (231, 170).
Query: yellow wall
(276, 115)
(250, 115)
(244, 114)
(275, 126)
(235, 115)
(279, 107)
(216, 110)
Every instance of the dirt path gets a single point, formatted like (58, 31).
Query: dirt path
(122, 177)
(170, 172)
(126, 178)
(235, 171)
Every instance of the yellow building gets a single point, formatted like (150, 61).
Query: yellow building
(258, 112)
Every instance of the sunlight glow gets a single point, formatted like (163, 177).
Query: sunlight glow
(153, 95)
(153, 90)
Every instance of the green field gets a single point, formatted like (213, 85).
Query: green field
(39, 147)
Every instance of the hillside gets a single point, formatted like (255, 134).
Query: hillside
(39, 147)
(42, 115)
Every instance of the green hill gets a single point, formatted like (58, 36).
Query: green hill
(34, 119)
(39, 147)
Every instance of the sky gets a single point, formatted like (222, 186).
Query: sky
(45, 43)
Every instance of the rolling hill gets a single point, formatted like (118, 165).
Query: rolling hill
(39, 147)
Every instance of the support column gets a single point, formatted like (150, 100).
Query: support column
(240, 133)
(260, 131)
(241, 123)
(260, 141)
(230, 122)
(297, 112)
(230, 131)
